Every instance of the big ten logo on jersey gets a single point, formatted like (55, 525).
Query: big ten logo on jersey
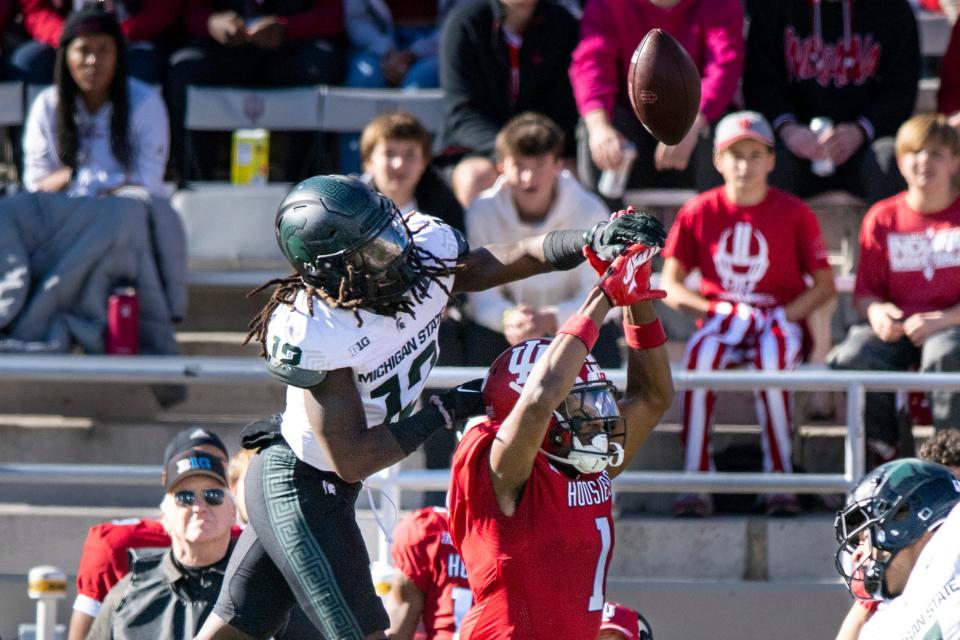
(400, 390)
(455, 566)
(359, 345)
(522, 361)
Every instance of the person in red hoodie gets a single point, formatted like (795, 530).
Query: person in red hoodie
(145, 24)
(711, 31)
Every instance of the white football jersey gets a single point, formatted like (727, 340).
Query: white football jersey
(390, 357)
(929, 607)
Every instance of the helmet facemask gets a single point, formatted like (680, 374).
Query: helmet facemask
(587, 432)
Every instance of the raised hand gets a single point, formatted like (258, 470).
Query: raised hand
(627, 280)
(605, 241)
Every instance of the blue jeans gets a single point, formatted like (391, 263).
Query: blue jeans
(363, 72)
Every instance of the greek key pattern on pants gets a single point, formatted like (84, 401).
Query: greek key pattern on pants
(305, 556)
(768, 342)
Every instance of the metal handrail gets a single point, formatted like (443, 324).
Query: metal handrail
(247, 370)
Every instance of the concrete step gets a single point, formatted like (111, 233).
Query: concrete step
(216, 343)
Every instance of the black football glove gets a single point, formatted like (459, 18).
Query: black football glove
(607, 240)
(460, 403)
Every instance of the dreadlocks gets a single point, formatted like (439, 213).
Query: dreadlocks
(426, 264)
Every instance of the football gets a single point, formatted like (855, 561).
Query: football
(664, 87)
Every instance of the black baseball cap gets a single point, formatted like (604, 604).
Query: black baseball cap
(192, 462)
(190, 439)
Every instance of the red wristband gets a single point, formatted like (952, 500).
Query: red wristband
(583, 328)
(644, 336)
(869, 605)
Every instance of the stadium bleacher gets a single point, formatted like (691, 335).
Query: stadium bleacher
(703, 571)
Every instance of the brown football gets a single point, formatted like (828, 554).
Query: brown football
(664, 87)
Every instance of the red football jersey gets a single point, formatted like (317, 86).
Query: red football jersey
(104, 560)
(757, 255)
(540, 574)
(423, 552)
(908, 258)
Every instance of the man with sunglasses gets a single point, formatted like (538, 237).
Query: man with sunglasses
(168, 595)
(104, 559)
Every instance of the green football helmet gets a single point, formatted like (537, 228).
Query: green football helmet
(891, 508)
(341, 235)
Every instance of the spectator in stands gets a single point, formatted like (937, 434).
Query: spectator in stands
(533, 195)
(908, 280)
(168, 595)
(104, 559)
(623, 623)
(96, 130)
(95, 133)
(394, 44)
(948, 98)
(853, 65)
(500, 58)
(284, 43)
(109, 131)
(145, 25)
(8, 31)
(943, 447)
(754, 245)
(711, 32)
(395, 150)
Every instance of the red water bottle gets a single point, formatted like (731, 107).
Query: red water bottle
(122, 322)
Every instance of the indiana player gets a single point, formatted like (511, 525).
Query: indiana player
(537, 476)
(754, 246)
(430, 583)
(899, 533)
(353, 333)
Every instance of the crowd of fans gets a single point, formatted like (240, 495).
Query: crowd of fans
(535, 109)
(815, 97)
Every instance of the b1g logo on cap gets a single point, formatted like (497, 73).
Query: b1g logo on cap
(192, 463)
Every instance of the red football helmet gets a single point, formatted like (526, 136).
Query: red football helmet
(584, 426)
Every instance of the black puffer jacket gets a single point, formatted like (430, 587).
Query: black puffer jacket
(159, 599)
(849, 61)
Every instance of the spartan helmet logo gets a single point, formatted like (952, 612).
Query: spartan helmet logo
(741, 258)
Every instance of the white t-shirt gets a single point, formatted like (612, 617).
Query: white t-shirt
(98, 170)
(929, 607)
(390, 357)
(492, 219)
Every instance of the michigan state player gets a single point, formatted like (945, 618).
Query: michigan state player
(353, 333)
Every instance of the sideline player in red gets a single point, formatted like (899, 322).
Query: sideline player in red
(753, 245)
(430, 582)
(537, 475)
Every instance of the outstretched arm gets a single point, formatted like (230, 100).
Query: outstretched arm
(515, 448)
(494, 265)
(649, 392)
(338, 421)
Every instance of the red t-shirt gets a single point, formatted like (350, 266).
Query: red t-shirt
(540, 574)
(104, 560)
(908, 258)
(758, 254)
(424, 553)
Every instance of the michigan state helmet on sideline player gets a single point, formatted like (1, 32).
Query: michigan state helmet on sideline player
(891, 508)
